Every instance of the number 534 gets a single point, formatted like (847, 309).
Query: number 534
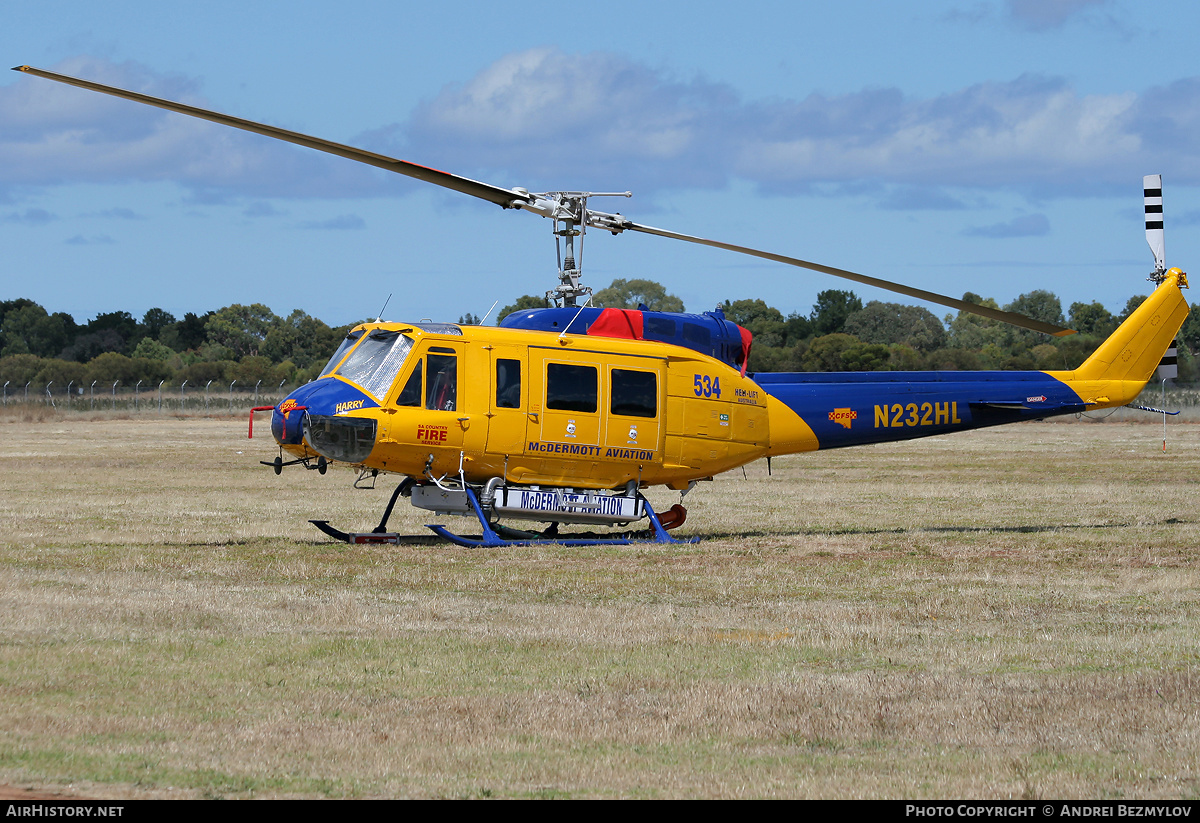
(706, 386)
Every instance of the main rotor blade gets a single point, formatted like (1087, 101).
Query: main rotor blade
(520, 199)
(484, 191)
(962, 305)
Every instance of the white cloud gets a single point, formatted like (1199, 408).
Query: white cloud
(52, 133)
(1039, 15)
(546, 119)
(1027, 225)
(342, 222)
(557, 120)
(32, 217)
(1025, 134)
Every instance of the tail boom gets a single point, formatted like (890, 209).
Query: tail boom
(809, 411)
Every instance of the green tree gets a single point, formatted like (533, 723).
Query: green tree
(831, 310)
(904, 357)
(953, 360)
(889, 323)
(825, 352)
(241, 329)
(1189, 335)
(186, 335)
(1047, 357)
(61, 372)
(629, 294)
(255, 368)
(302, 339)
(1040, 305)
(154, 321)
(151, 349)
(19, 369)
(973, 332)
(112, 366)
(9, 305)
(1091, 318)
(866, 357)
(90, 345)
(765, 322)
(200, 372)
(120, 323)
(797, 327)
(28, 329)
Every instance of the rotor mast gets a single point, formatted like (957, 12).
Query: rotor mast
(570, 213)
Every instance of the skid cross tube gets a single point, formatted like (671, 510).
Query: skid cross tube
(498, 535)
(492, 538)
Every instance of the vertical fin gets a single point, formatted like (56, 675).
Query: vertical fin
(1136, 348)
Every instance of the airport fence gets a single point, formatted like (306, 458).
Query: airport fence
(162, 398)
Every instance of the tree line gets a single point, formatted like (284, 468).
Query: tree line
(841, 333)
(251, 344)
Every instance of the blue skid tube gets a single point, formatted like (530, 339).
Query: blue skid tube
(492, 538)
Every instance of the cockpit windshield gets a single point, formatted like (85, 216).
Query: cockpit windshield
(350, 340)
(376, 361)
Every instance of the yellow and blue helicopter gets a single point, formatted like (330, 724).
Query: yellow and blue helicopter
(563, 415)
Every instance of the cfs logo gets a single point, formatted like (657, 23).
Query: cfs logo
(843, 417)
(287, 405)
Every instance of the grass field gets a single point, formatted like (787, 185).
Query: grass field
(1001, 614)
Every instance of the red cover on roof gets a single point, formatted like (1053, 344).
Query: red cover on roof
(625, 323)
(747, 339)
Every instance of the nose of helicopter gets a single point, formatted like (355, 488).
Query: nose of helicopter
(316, 415)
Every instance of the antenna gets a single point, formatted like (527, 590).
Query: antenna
(379, 319)
(573, 319)
(1152, 189)
(489, 312)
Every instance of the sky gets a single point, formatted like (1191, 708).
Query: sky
(991, 146)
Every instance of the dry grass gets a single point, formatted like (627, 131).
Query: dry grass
(1008, 613)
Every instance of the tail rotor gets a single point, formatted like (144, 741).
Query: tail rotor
(1152, 190)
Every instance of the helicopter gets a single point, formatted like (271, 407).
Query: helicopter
(564, 415)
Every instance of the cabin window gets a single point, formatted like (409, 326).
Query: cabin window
(410, 395)
(634, 393)
(659, 328)
(508, 384)
(571, 388)
(441, 390)
(697, 335)
(375, 362)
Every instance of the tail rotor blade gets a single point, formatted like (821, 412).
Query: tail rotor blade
(1152, 189)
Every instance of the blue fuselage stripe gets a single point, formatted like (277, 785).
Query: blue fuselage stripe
(854, 408)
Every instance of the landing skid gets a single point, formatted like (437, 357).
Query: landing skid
(504, 536)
